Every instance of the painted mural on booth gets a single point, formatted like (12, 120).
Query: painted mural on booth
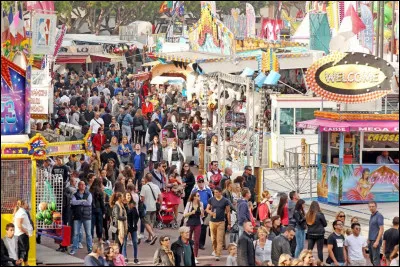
(371, 182)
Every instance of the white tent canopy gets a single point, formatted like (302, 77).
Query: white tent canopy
(166, 79)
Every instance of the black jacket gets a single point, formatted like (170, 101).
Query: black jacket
(159, 152)
(110, 134)
(190, 182)
(317, 229)
(177, 248)
(153, 130)
(300, 220)
(133, 218)
(5, 257)
(250, 182)
(104, 157)
(98, 201)
(246, 252)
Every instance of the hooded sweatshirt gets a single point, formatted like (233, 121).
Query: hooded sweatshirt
(243, 211)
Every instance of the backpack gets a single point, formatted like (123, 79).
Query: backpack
(82, 120)
(183, 133)
(215, 180)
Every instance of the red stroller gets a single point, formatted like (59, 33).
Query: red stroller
(165, 217)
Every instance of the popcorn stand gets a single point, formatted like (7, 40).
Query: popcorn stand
(358, 152)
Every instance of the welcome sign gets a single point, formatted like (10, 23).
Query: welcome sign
(350, 77)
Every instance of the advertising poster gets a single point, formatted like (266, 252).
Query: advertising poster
(322, 186)
(368, 182)
(44, 33)
(13, 91)
(334, 184)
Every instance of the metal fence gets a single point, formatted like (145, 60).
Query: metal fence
(16, 178)
(299, 172)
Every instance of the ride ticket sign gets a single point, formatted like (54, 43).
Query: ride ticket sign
(13, 109)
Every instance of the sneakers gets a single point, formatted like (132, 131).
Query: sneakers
(61, 249)
(213, 253)
(72, 252)
(136, 261)
(80, 245)
(217, 258)
(153, 240)
(141, 236)
(196, 261)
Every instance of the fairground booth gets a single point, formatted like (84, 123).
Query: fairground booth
(358, 152)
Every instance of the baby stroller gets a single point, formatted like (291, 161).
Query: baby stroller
(165, 217)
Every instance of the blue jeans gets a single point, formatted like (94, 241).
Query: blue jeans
(97, 220)
(134, 242)
(138, 177)
(77, 229)
(374, 253)
(300, 238)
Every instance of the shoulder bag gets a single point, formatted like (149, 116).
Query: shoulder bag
(158, 206)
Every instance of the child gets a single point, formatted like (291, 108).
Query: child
(119, 259)
(109, 253)
(11, 245)
(232, 258)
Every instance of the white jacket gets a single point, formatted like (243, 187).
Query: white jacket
(170, 155)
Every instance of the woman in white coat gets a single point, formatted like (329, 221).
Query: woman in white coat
(176, 156)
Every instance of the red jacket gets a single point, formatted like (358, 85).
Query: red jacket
(98, 141)
(147, 108)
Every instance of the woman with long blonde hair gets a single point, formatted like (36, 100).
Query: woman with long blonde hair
(23, 229)
(306, 257)
(316, 224)
(285, 260)
(119, 218)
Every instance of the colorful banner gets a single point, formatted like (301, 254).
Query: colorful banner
(44, 33)
(363, 183)
(367, 35)
(322, 183)
(64, 148)
(251, 21)
(13, 109)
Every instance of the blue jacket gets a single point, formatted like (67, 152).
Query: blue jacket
(142, 161)
(243, 211)
(205, 194)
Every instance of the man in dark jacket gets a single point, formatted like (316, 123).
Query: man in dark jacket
(183, 248)
(250, 181)
(243, 213)
(112, 132)
(154, 129)
(108, 154)
(281, 244)
(246, 252)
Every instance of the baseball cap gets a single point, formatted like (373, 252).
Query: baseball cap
(200, 178)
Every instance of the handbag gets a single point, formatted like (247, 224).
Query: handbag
(158, 206)
(113, 229)
(234, 229)
(139, 128)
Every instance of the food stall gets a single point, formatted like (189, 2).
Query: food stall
(351, 149)
(358, 152)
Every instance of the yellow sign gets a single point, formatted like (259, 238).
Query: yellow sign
(383, 137)
(352, 77)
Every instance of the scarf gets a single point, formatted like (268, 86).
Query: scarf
(169, 253)
(122, 225)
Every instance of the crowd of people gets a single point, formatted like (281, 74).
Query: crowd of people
(135, 180)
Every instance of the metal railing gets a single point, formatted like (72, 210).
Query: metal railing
(299, 172)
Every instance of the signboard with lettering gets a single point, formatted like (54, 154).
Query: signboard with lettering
(41, 82)
(350, 77)
(381, 140)
(85, 49)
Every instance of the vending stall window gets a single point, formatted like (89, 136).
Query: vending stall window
(380, 148)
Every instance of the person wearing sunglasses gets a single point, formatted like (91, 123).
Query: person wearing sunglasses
(341, 216)
(164, 255)
(356, 246)
(336, 250)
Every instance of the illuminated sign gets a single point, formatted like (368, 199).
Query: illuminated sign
(350, 77)
(383, 137)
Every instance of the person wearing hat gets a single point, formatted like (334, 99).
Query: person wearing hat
(205, 194)
(112, 132)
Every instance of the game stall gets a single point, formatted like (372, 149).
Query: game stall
(358, 152)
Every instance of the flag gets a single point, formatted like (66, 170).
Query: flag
(163, 7)
(251, 21)
(5, 26)
(59, 39)
(40, 5)
(20, 26)
(367, 35)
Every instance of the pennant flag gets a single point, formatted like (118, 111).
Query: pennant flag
(251, 21)
(5, 26)
(59, 39)
(356, 22)
(163, 7)
(19, 24)
(367, 35)
(272, 78)
(259, 80)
